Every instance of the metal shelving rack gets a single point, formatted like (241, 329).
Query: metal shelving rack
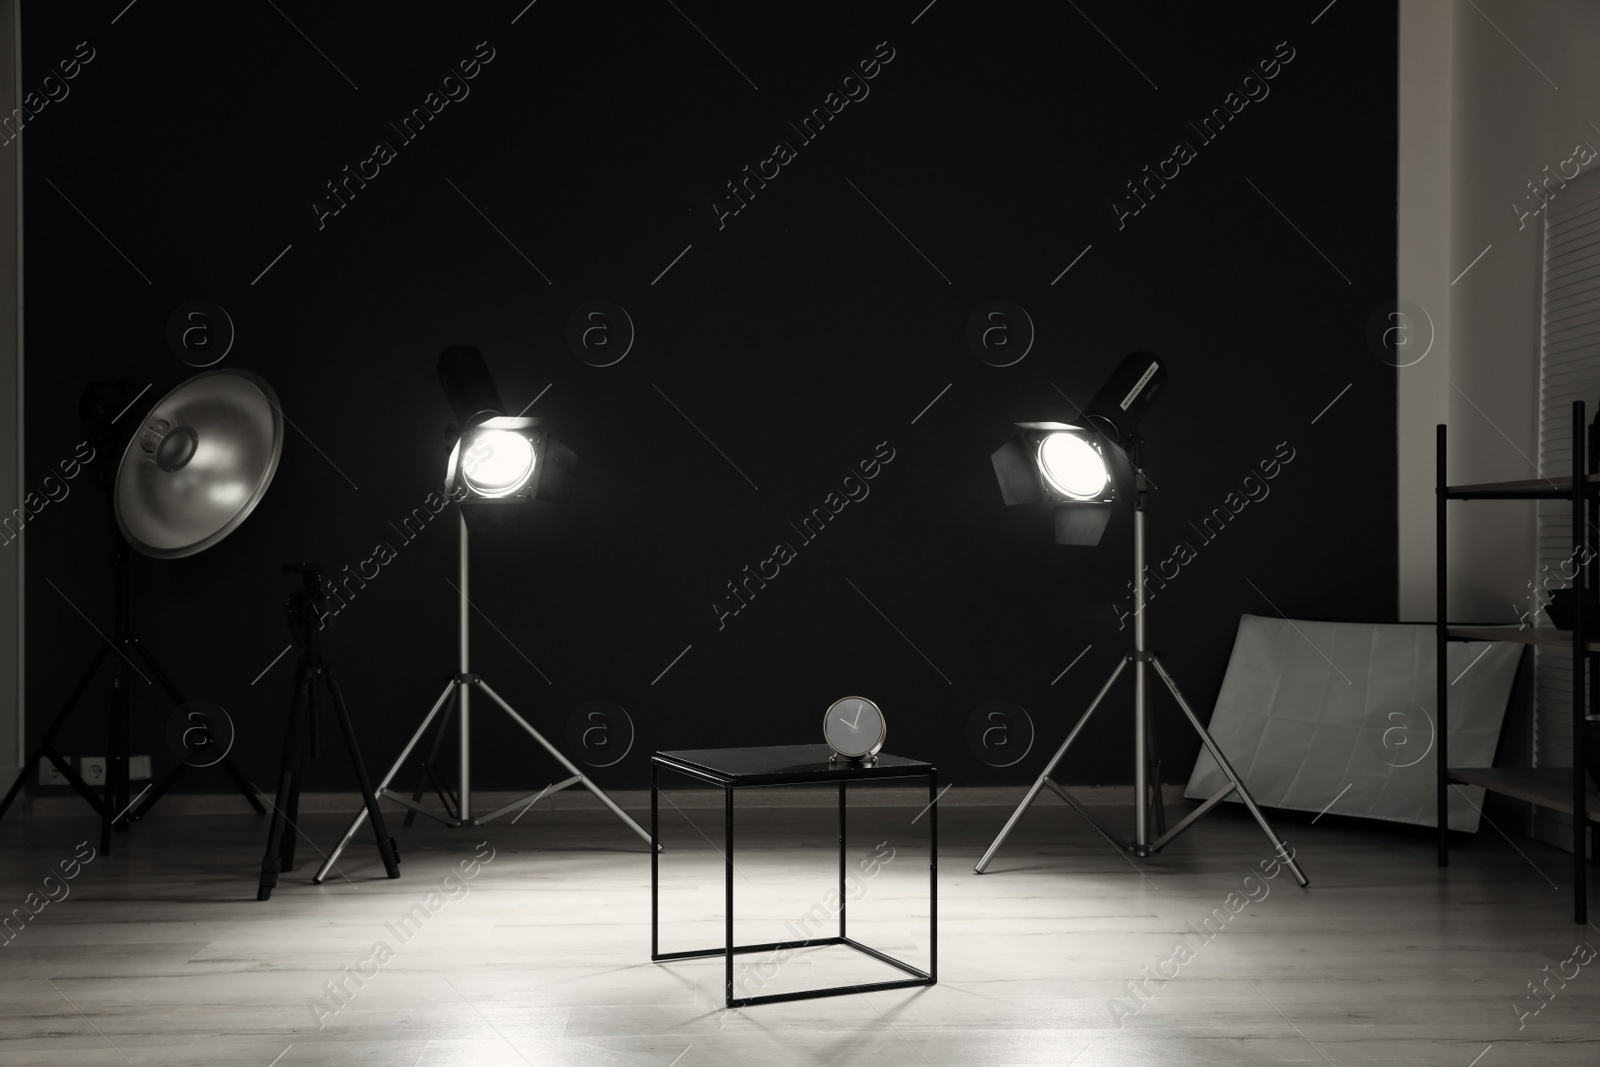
(1557, 788)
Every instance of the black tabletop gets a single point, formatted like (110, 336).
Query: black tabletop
(785, 764)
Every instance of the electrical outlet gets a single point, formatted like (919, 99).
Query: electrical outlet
(93, 769)
(49, 775)
(138, 768)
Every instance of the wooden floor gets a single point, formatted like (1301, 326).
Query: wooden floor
(160, 954)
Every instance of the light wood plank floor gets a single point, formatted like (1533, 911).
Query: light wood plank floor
(161, 955)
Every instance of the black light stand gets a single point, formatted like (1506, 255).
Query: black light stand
(161, 788)
(113, 805)
(303, 607)
(101, 407)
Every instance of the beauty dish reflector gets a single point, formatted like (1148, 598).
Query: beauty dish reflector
(198, 464)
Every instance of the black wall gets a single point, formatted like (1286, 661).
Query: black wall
(798, 337)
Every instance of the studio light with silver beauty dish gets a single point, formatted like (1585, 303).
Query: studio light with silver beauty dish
(180, 479)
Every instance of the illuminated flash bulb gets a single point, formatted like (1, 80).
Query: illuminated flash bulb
(1073, 466)
(497, 462)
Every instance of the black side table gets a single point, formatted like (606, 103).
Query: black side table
(734, 768)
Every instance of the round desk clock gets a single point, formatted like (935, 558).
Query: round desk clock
(854, 728)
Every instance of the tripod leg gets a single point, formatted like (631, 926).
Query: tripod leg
(391, 862)
(243, 784)
(561, 758)
(1157, 806)
(1227, 769)
(40, 754)
(1039, 783)
(307, 720)
(157, 791)
(288, 769)
(442, 790)
(161, 788)
(275, 830)
(43, 750)
(239, 780)
(355, 823)
(114, 732)
(428, 767)
(117, 767)
(155, 669)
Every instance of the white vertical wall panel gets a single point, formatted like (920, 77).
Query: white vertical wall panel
(1569, 369)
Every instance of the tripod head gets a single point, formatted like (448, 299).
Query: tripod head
(306, 605)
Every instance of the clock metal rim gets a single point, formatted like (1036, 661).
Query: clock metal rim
(872, 750)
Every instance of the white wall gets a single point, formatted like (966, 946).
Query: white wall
(1423, 261)
(10, 399)
(1485, 106)
(1473, 131)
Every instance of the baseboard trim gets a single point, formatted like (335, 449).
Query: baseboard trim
(576, 798)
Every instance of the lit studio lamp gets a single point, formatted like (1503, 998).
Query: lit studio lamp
(497, 461)
(1078, 469)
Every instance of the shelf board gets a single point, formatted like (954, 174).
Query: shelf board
(1527, 489)
(1548, 787)
(1543, 636)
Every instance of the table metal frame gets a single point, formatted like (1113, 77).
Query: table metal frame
(729, 950)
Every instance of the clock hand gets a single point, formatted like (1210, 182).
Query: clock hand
(852, 725)
(859, 709)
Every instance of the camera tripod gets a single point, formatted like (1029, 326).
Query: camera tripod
(311, 670)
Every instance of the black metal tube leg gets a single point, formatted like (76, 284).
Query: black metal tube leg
(242, 783)
(304, 724)
(728, 893)
(1441, 656)
(137, 647)
(933, 875)
(1580, 544)
(655, 862)
(288, 766)
(157, 791)
(842, 897)
(272, 862)
(308, 720)
(117, 762)
(108, 798)
(40, 751)
(22, 779)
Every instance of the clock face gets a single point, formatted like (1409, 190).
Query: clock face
(854, 727)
